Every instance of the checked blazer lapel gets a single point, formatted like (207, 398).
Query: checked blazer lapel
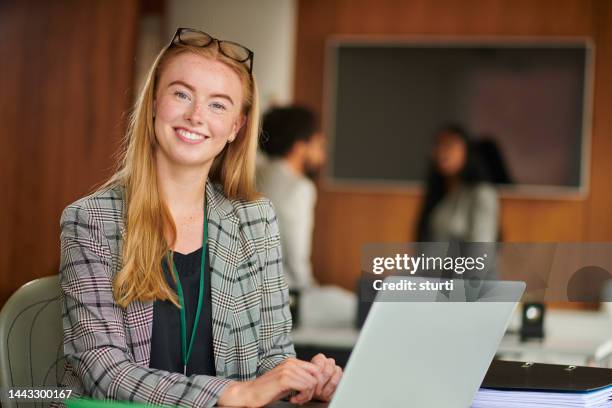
(227, 251)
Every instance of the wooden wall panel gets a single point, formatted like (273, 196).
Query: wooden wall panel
(346, 220)
(67, 69)
(599, 214)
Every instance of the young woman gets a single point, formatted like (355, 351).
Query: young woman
(171, 273)
(460, 202)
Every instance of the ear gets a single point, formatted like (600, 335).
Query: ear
(300, 146)
(237, 127)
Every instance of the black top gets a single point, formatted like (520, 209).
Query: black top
(166, 338)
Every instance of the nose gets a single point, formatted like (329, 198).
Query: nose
(195, 114)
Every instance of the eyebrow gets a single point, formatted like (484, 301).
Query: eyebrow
(185, 84)
(192, 89)
(224, 96)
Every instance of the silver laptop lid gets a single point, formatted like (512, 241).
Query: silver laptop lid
(427, 348)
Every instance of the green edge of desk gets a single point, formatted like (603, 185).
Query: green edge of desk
(91, 403)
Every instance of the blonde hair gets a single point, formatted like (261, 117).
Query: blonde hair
(150, 230)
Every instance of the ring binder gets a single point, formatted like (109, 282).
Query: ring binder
(511, 375)
(515, 384)
(570, 368)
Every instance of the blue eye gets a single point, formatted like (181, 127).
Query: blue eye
(182, 95)
(217, 106)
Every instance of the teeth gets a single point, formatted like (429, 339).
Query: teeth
(190, 135)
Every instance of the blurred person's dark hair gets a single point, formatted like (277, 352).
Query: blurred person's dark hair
(493, 157)
(283, 127)
(474, 171)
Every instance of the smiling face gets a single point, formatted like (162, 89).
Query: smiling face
(198, 109)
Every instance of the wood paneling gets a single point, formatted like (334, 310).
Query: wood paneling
(599, 214)
(347, 220)
(67, 70)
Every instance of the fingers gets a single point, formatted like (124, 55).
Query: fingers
(302, 397)
(311, 368)
(319, 359)
(331, 385)
(328, 366)
(304, 384)
(290, 375)
(318, 378)
(305, 364)
(296, 380)
(331, 375)
(308, 373)
(300, 376)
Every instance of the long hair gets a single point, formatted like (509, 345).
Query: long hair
(473, 172)
(150, 230)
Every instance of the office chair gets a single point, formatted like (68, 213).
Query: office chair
(31, 336)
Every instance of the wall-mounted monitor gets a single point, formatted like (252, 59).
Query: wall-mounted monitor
(385, 99)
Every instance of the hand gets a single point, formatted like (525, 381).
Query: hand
(290, 375)
(331, 374)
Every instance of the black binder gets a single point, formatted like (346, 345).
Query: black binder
(524, 376)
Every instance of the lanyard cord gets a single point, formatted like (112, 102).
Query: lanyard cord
(186, 352)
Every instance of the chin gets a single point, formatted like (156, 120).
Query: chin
(191, 162)
(188, 156)
(176, 159)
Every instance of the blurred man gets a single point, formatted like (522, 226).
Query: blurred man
(295, 151)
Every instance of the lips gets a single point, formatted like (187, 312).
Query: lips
(190, 136)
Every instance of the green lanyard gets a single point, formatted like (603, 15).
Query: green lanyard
(186, 352)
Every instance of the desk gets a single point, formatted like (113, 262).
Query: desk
(571, 337)
(284, 404)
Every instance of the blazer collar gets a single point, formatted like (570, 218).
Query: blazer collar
(227, 250)
(217, 201)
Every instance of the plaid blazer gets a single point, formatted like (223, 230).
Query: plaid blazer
(107, 347)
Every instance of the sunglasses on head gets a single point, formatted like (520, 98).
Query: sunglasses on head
(197, 38)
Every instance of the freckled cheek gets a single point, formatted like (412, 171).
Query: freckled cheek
(169, 111)
(219, 126)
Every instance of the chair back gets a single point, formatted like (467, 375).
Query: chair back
(31, 336)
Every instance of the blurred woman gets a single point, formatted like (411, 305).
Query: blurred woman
(460, 204)
(171, 273)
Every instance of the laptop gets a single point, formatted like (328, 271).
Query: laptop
(427, 348)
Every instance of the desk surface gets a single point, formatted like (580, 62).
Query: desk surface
(567, 332)
(284, 404)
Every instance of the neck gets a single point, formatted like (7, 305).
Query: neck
(452, 182)
(295, 163)
(182, 188)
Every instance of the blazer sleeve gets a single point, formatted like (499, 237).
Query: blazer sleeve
(275, 345)
(95, 342)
